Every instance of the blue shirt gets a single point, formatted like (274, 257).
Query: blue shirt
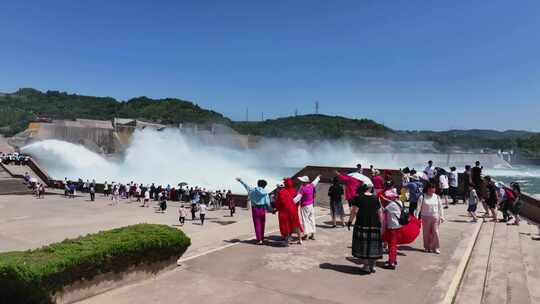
(258, 197)
(414, 191)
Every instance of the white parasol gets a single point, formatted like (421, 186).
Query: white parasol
(361, 177)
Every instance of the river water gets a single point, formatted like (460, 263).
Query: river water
(528, 176)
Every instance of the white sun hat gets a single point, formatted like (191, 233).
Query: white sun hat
(304, 179)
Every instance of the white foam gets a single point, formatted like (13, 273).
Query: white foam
(169, 157)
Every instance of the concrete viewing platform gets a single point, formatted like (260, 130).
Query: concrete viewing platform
(480, 262)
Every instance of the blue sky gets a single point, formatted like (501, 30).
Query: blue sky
(409, 64)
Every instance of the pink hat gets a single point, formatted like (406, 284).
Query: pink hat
(390, 195)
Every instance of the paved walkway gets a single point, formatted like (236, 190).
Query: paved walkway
(320, 271)
(27, 222)
(224, 266)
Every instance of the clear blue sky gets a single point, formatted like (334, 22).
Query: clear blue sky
(409, 64)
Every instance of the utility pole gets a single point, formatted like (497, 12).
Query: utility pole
(247, 114)
(295, 112)
(262, 116)
(316, 107)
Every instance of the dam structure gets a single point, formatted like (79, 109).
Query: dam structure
(482, 262)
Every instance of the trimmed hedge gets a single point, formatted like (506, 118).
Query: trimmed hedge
(34, 276)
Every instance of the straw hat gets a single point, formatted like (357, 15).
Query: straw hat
(303, 179)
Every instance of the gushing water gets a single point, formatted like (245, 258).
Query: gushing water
(169, 157)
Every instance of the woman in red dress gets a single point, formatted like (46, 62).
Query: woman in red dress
(289, 221)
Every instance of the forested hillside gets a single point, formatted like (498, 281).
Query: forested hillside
(19, 108)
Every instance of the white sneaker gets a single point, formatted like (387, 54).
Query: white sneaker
(437, 251)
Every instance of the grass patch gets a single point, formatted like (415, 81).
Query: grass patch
(34, 276)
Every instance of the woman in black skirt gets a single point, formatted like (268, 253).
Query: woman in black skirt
(366, 243)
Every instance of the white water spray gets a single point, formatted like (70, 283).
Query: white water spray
(169, 157)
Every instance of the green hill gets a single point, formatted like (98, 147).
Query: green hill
(314, 127)
(27, 104)
(19, 108)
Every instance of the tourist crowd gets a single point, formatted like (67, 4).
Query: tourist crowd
(14, 158)
(383, 213)
(195, 199)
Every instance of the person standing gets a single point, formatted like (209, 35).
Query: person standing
(477, 183)
(351, 184)
(306, 198)
(335, 193)
(367, 241)
(378, 182)
(202, 212)
(230, 202)
(92, 192)
(105, 189)
(289, 221)
(473, 200)
(444, 187)
(392, 214)
(260, 203)
(431, 211)
(72, 190)
(492, 197)
(516, 203)
(430, 171)
(115, 194)
(146, 200)
(414, 188)
(453, 183)
(467, 182)
(193, 210)
(181, 214)
(163, 202)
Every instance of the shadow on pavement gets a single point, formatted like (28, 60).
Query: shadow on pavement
(271, 241)
(409, 248)
(460, 221)
(343, 268)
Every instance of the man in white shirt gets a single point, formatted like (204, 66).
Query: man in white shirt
(146, 198)
(202, 212)
(444, 186)
(430, 171)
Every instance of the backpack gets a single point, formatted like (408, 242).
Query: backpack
(404, 215)
(509, 194)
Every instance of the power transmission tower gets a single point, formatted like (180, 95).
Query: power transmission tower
(317, 107)
(247, 114)
(295, 112)
(262, 116)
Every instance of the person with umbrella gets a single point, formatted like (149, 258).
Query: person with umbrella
(306, 198)
(352, 181)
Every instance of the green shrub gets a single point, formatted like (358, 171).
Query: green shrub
(34, 276)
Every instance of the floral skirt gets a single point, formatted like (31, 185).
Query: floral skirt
(367, 243)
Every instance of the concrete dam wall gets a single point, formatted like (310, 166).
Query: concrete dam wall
(96, 135)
